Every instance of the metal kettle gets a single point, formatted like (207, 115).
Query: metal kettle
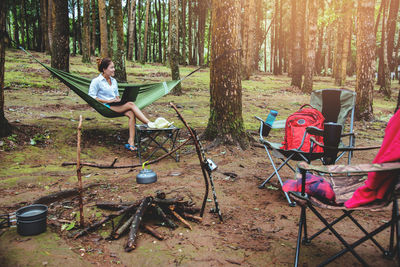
(146, 176)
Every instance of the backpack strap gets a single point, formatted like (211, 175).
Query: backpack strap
(305, 106)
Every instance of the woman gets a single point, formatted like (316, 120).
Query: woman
(104, 89)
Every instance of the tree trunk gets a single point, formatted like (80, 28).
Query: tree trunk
(93, 35)
(297, 70)
(385, 81)
(5, 127)
(391, 26)
(226, 122)
(50, 23)
(164, 36)
(118, 45)
(146, 32)
(140, 18)
(131, 28)
(15, 23)
(183, 53)
(159, 22)
(311, 45)
(365, 59)
(86, 32)
(103, 29)
(202, 11)
(74, 37)
(190, 31)
(60, 49)
(79, 26)
(320, 52)
(173, 45)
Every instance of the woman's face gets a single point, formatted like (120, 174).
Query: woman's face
(110, 70)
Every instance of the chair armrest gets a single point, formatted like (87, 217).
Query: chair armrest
(358, 168)
(319, 132)
(343, 148)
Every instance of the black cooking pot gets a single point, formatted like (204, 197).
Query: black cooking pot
(32, 220)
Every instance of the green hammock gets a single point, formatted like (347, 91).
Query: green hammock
(142, 95)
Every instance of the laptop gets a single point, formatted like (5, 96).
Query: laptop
(129, 94)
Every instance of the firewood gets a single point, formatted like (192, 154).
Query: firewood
(119, 225)
(191, 210)
(153, 232)
(192, 217)
(180, 218)
(113, 205)
(124, 227)
(162, 214)
(170, 201)
(131, 244)
(106, 219)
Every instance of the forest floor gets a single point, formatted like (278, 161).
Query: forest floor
(259, 227)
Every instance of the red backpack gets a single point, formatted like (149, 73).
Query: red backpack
(296, 125)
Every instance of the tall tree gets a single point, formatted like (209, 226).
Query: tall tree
(183, 53)
(248, 37)
(146, 33)
(131, 27)
(5, 127)
(118, 45)
(297, 37)
(93, 35)
(50, 23)
(173, 44)
(365, 59)
(60, 49)
(103, 29)
(226, 122)
(391, 26)
(385, 81)
(202, 11)
(311, 45)
(86, 32)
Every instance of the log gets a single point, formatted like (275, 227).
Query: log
(180, 218)
(153, 232)
(113, 205)
(191, 210)
(121, 230)
(120, 223)
(109, 217)
(192, 217)
(62, 194)
(164, 217)
(131, 244)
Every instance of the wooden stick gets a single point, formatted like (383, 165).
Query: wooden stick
(61, 194)
(191, 210)
(131, 244)
(192, 217)
(113, 205)
(120, 223)
(112, 166)
(153, 232)
(78, 172)
(180, 218)
(162, 214)
(109, 217)
(121, 230)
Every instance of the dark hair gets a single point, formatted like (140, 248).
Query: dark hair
(103, 63)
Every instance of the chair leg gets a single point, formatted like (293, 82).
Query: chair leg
(298, 245)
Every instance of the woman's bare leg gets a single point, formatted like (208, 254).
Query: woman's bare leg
(132, 107)
(131, 124)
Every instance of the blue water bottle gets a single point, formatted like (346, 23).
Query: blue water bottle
(268, 122)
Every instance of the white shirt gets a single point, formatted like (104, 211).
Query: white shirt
(100, 88)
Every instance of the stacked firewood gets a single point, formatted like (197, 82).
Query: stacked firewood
(135, 216)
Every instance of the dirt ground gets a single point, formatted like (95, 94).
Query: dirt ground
(259, 227)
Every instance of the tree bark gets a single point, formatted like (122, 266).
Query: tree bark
(385, 81)
(391, 25)
(311, 45)
(365, 59)
(60, 49)
(131, 28)
(50, 23)
(173, 45)
(183, 48)
(103, 29)
(297, 21)
(226, 122)
(86, 32)
(15, 22)
(5, 127)
(93, 35)
(118, 55)
(159, 22)
(146, 32)
(202, 11)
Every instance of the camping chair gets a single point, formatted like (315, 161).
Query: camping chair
(345, 179)
(336, 105)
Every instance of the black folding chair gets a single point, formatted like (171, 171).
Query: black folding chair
(336, 105)
(345, 179)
